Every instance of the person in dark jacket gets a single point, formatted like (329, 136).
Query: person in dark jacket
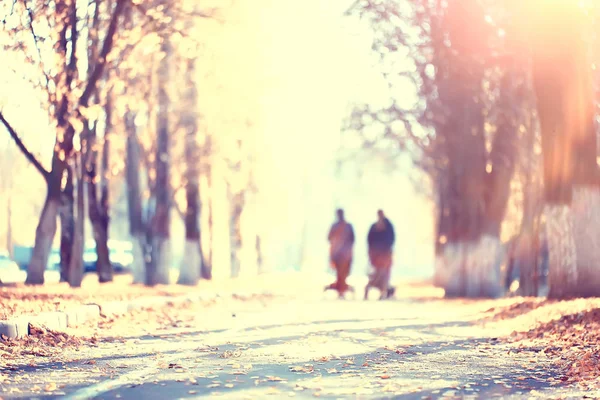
(341, 241)
(381, 240)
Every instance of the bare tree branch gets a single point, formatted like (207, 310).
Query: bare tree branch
(28, 154)
(36, 40)
(106, 48)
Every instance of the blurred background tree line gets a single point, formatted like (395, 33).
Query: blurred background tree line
(471, 95)
(504, 132)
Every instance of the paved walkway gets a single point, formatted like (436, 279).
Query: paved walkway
(303, 347)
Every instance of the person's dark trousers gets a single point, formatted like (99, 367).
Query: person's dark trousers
(390, 292)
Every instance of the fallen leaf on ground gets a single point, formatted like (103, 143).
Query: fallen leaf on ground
(51, 387)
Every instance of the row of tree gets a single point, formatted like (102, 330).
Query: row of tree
(498, 85)
(119, 80)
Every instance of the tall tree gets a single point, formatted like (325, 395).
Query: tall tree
(60, 79)
(98, 200)
(193, 261)
(465, 148)
(134, 196)
(566, 109)
(75, 270)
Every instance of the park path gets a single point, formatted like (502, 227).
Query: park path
(302, 346)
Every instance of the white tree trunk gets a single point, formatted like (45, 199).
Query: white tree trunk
(562, 273)
(471, 269)
(44, 237)
(483, 261)
(586, 234)
(450, 266)
(189, 271)
(162, 247)
(138, 266)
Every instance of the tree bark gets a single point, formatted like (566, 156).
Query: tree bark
(259, 255)
(472, 197)
(98, 209)
(67, 225)
(134, 199)
(158, 269)
(190, 270)
(235, 233)
(586, 234)
(44, 236)
(46, 228)
(75, 275)
(566, 108)
(528, 246)
(504, 151)
(206, 271)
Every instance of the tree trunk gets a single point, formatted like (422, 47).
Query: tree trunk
(566, 108)
(67, 225)
(259, 255)
(160, 260)
(235, 233)
(528, 246)
(75, 275)
(442, 230)
(206, 271)
(474, 197)
(586, 233)
(466, 188)
(504, 151)
(190, 270)
(46, 228)
(98, 209)
(44, 237)
(134, 199)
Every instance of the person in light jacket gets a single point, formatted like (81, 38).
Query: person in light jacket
(341, 242)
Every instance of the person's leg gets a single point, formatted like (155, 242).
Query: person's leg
(391, 291)
(334, 285)
(367, 288)
(385, 283)
(338, 277)
(343, 272)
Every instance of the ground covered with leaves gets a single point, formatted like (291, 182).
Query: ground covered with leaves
(19, 299)
(568, 332)
(307, 345)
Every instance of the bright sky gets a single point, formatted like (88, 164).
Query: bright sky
(291, 69)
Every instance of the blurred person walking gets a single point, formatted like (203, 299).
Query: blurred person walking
(341, 242)
(381, 240)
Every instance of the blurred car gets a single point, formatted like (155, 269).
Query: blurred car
(9, 269)
(53, 260)
(120, 254)
(89, 258)
(22, 256)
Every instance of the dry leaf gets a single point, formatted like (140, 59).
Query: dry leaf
(51, 387)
